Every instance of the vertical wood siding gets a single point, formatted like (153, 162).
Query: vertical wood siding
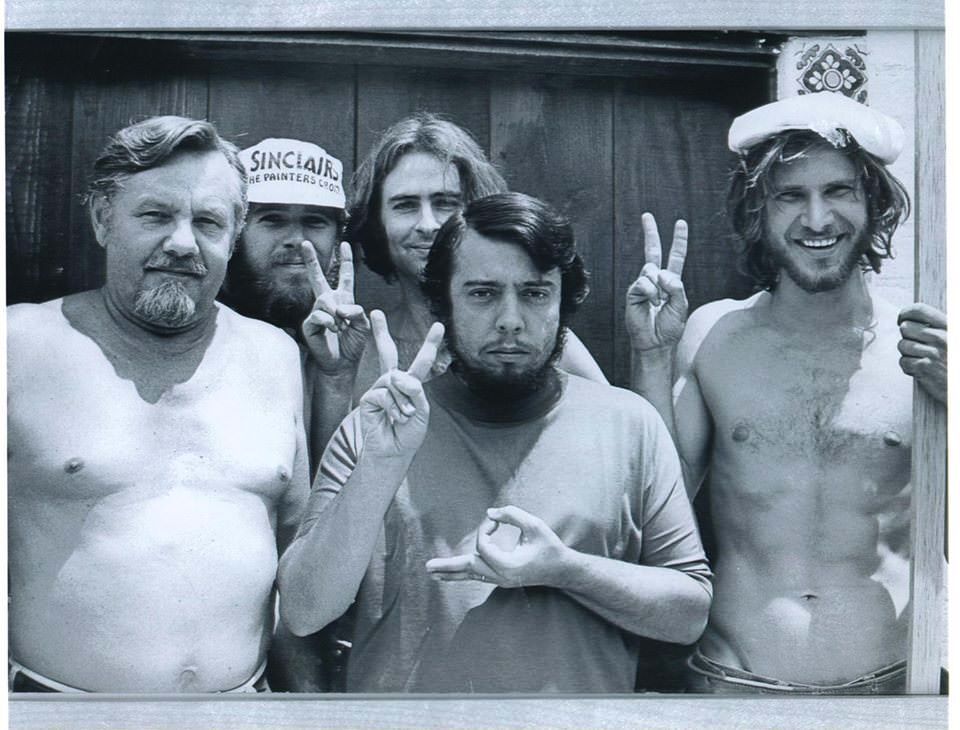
(601, 148)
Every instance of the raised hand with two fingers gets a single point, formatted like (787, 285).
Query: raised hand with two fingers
(336, 330)
(656, 309)
(394, 412)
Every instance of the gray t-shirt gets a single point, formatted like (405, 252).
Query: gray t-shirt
(594, 462)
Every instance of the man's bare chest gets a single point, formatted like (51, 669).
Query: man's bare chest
(829, 408)
(81, 431)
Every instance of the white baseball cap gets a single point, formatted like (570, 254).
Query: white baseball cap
(291, 172)
(830, 114)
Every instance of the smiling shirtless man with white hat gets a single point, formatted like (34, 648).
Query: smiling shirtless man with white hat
(792, 405)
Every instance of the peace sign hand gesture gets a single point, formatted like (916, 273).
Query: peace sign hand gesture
(656, 301)
(336, 330)
(394, 413)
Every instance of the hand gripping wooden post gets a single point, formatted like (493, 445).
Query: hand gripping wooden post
(929, 470)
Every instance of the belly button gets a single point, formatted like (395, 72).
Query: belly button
(188, 677)
(892, 438)
(73, 465)
(283, 473)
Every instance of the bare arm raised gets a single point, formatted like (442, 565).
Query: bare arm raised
(335, 333)
(663, 346)
(321, 571)
(656, 312)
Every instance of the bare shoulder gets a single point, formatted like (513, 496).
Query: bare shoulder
(35, 328)
(26, 318)
(717, 320)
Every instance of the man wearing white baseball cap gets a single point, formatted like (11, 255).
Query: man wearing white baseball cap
(295, 191)
(792, 406)
(289, 271)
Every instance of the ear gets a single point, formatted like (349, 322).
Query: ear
(100, 217)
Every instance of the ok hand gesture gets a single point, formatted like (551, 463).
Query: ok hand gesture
(336, 330)
(536, 559)
(394, 413)
(656, 301)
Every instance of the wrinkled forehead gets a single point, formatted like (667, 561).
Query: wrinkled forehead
(814, 165)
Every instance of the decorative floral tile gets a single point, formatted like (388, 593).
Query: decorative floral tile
(824, 67)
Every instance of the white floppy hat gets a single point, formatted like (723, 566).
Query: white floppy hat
(291, 172)
(827, 113)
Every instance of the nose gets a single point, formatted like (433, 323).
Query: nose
(509, 320)
(293, 236)
(182, 241)
(818, 214)
(427, 225)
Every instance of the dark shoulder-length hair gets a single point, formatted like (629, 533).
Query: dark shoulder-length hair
(422, 132)
(545, 235)
(888, 203)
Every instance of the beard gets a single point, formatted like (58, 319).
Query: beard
(167, 305)
(282, 304)
(813, 280)
(509, 383)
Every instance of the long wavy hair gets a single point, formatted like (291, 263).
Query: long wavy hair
(888, 203)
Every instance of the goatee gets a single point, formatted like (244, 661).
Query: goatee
(167, 305)
(508, 385)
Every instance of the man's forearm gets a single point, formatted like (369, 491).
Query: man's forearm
(651, 376)
(331, 402)
(321, 571)
(659, 603)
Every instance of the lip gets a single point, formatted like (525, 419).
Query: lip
(508, 353)
(816, 244)
(174, 272)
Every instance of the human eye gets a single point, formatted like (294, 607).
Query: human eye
(537, 294)
(788, 196)
(318, 222)
(481, 293)
(270, 219)
(447, 202)
(154, 215)
(209, 222)
(405, 205)
(842, 190)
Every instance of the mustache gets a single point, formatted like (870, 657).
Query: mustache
(286, 257)
(181, 264)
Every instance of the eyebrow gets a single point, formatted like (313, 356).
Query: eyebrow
(438, 194)
(492, 282)
(839, 181)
